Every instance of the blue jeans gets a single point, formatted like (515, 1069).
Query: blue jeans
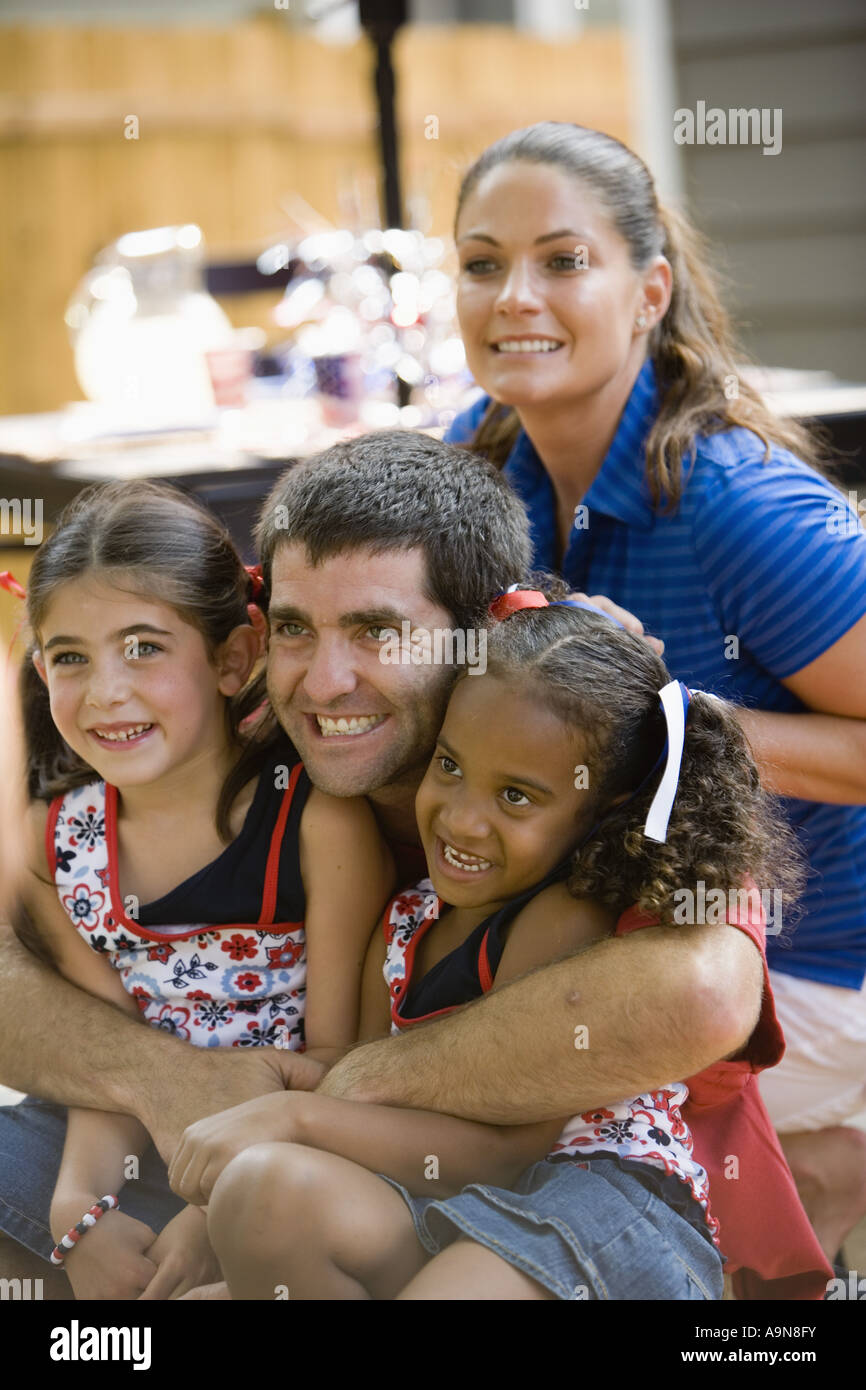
(32, 1135)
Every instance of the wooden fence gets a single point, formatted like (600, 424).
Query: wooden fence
(231, 124)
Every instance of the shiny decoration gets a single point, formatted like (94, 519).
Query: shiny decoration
(372, 327)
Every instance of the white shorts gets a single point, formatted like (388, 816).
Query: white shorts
(821, 1080)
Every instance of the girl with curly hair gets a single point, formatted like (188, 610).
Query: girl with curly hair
(550, 816)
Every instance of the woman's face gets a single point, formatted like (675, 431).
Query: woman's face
(547, 295)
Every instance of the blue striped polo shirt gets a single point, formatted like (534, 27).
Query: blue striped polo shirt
(749, 580)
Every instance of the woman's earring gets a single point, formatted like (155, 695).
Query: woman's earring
(640, 321)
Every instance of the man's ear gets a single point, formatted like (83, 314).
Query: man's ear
(237, 657)
(39, 663)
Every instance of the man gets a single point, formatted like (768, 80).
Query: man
(379, 531)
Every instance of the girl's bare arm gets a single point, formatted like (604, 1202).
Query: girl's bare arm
(348, 875)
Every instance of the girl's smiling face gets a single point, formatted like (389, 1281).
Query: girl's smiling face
(547, 295)
(498, 807)
(133, 690)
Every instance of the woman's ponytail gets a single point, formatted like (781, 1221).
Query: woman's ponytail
(699, 366)
(496, 434)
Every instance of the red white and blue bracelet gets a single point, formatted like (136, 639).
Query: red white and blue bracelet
(73, 1236)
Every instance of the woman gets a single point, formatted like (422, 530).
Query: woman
(655, 476)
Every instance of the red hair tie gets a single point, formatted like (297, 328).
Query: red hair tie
(8, 581)
(513, 600)
(256, 580)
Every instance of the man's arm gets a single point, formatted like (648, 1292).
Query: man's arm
(60, 1043)
(658, 1006)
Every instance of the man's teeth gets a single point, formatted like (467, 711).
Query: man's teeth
(125, 735)
(334, 728)
(458, 860)
(528, 345)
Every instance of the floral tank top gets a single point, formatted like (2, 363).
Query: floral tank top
(210, 982)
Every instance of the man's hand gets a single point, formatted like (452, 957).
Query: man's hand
(110, 1261)
(208, 1146)
(209, 1081)
(183, 1256)
(622, 615)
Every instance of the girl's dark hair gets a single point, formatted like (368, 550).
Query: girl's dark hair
(603, 683)
(692, 347)
(151, 539)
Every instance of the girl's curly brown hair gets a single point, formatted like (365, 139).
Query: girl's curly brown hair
(724, 831)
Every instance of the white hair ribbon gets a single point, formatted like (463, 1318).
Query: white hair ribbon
(674, 699)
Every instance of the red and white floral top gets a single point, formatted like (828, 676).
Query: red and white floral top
(238, 984)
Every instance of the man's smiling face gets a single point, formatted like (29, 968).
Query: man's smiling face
(358, 722)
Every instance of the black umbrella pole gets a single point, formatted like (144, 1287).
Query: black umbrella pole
(392, 203)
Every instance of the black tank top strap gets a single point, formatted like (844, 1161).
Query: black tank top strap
(469, 970)
(257, 878)
(493, 939)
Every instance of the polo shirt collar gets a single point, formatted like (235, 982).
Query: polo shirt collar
(619, 488)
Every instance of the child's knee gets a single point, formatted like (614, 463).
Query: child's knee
(260, 1190)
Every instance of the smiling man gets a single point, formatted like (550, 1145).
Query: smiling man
(362, 723)
(371, 542)
(379, 531)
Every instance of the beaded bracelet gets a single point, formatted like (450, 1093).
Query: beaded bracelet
(73, 1236)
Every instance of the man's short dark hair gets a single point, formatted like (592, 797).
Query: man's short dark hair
(397, 490)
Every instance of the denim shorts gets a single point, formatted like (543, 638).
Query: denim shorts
(32, 1135)
(588, 1230)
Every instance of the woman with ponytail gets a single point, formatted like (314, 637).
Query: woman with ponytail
(655, 475)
